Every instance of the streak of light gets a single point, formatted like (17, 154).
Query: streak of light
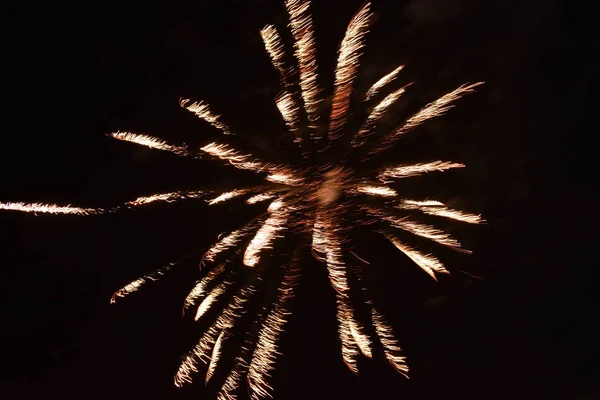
(426, 262)
(372, 92)
(202, 111)
(150, 141)
(260, 197)
(405, 171)
(215, 356)
(274, 47)
(200, 288)
(227, 196)
(211, 298)
(347, 67)
(392, 351)
(48, 209)
(271, 229)
(168, 197)
(436, 208)
(382, 191)
(431, 110)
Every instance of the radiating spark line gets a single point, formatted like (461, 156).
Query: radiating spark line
(426, 262)
(378, 111)
(347, 66)
(211, 298)
(265, 235)
(302, 30)
(226, 320)
(267, 349)
(289, 112)
(284, 177)
(274, 47)
(150, 141)
(199, 289)
(235, 158)
(390, 345)
(431, 110)
(372, 92)
(227, 196)
(135, 285)
(202, 111)
(382, 191)
(168, 197)
(261, 197)
(49, 208)
(215, 356)
(405, 171)
(437, 208)
(227, 242)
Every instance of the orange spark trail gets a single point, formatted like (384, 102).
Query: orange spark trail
(382, 191)
(202, 111)
(431, 110)
(49, 209)
(267, 349)
(226, 320)
(372, 92)
(261, 197)
(426, 262)
(274, 47)
(211, 298)
(227, 196)
(199, 289)
(289, 112)
(406, 171)
(227, 242)
(439, 209)
(391, 348)
(302, 30)
(215, 356)
(135, 285)
(168, 197)
(380, 109)
(348, 63)
(150, 141)
(265, 235)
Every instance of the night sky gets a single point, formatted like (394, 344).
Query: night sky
(527, 330)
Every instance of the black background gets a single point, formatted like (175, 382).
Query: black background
(72, 74)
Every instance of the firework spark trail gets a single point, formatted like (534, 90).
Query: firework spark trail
(439, 209)
(372, 92)
(372, 190)
(266, 351)
(200, 288)
(289, 112)
(426, 262)
(347, 67)
(211, 298)
(302, 30)
(431, 110)
(350, 331)
(151, 142)
(406, 171)
(215, 356)
(168, 197)
(227, 196)
(278, 174)
(226, 320)
(274, 47)
(229, 241)
(202, 111)
(265, 235)
(49, 209)
(135, 285)
(423, 230)
(392, 351)
(378, 111)
(261, 197)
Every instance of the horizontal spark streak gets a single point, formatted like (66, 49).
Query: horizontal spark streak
(426, 262)
(168, 197)
(227, 196)
(437, 208)
(48, 208)
(202, 111)
(261, 197)
(346, 70)
(372, 92)
(431, 110)
(150, 141)
(406, 171)
(382, 191)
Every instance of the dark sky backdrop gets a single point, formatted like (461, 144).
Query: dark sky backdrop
(70, 75)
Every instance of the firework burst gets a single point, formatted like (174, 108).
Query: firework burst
(310, 201)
